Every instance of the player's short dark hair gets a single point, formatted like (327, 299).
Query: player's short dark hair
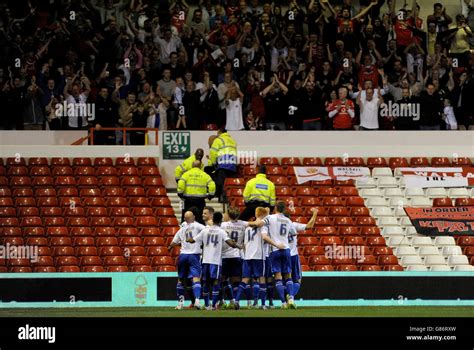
(210, 209)
(438, 4)
(217, 218)
(262, 169)
(280, 206)
(233, 213)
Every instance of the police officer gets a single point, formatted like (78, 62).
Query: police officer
(188, 163)
(194, 187)
(258, 192)
(222, 159)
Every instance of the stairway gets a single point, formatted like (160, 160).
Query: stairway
(175, 203)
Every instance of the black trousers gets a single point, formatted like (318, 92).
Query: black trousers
(197, 202)
(249, 211)
(219, 176)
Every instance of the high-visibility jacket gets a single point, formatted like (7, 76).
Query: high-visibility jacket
(223, 153)
(196, 183)
(185, 166)
(260, 189)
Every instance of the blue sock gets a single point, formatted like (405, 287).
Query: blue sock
(263, 293)
(229, 290)
(240, 289)
(215, 294)
(281, 290)
(296, 288)
(248, 292)
(189, 289)
(235, 287)
(270, 292)
(256, 292)
(205, 294)
(197, 290)
(180, 291)
(289, 287)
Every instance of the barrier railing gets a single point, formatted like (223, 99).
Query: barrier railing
(124, 135)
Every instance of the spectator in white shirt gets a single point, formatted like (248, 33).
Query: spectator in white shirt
(369, 109)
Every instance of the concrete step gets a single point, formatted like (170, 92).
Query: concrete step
(175, 203)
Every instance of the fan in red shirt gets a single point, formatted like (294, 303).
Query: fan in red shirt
(342, 110)
(369, 71)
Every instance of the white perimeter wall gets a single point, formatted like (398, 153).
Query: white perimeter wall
(264, 143)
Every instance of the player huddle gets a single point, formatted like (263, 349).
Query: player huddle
(234, 259)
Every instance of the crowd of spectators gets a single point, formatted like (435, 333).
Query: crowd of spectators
(238, 64)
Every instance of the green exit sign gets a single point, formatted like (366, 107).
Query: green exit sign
(176, 144)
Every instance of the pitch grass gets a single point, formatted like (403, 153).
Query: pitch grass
(367, 311)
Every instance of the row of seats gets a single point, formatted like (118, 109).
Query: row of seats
(372, 162)
(99, 238)
(78, 161)
(65, 170)
(56, 222)
(109, 191)
(74, 202)
(80, 181)
(351, 268)
(67, 211)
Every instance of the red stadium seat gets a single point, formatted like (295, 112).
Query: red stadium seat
(20, 181)
(151, 231)
(309, 161)
(376, 241)
(100, 221)
(80, 241)
(279, 180)
(349, 231)
(5, 192)
(124, 222)
(134, 251)
(157, 251)
(127, 231)
(419, 162)
(360, 211)
(114, 261)
(141, 201)
(93, 269)
(169, 221)
(37, 161)
(323, 268)
(348, 191)
(146, 161)
(54, 221)
(134, 180)
(380, 250)
(376, 162)
(156, 192)
(368, 260)
(21, 269)
(109, 181)
(63, 251)
(274, 170)
(135, 192)
(393, 268)
(10, 211)
(103, 161)
(326, 230)
(313, 250)
(130, 241)
(97, 211)
(90, 260)
(45, 192)
(149, 171)
(31, 221)
(151, 181)
(442, 202)
(62, 171)
(138, 261)
(365, 221)
(160, 202)
(69, 269)
(40, 171)
(354, 241)
(164, 212)
(370, 231)
(461, 161)
(107, 241)
(94, 202)
(142, 268)
(347, 268)
(330, 240)
(143, 221)
(234, 182)
(332, 201)
(118, 268)
(12, 231)
(110, 250)
(30, 231)
(17, 171)
(464, 202)
(84, 171)
(87, 181)
(355, 161)
(106, 171)
(153, 241)
(169, 231)
(104, 231)
(388, 260)
(44, 269)
(162, 260)
(440, 161)
(333, 161)
(318, 260)
(9, 222)
(124, 161)
(58, 231)
(397, 162)
(290, 161)
(81, 162)
(269, 161)
(128, 171)
(338, 211)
